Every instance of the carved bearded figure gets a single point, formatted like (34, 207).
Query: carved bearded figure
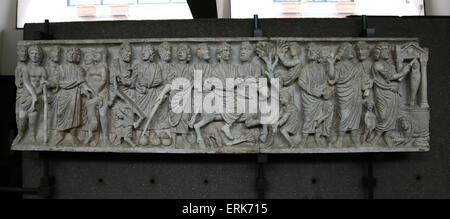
(71, 86)
(149, 77)
(182, 92)
(386, 91)
(313, 82)
(349, 92)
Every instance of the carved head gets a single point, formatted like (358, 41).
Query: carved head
(246, 51)
(55, 54)
(416, 66)
(22, 53)
(223, 52)
(405, 124)
(125, 52)
(312, 51)
(184, 53)
(35, 53)
(294, 49)
(382, 51)
(203, 51)
(148, 53)
(345, 52)
(362, 50)
(325, 53)
(165, 51)
(369, 105)
(73, 55)
(93, 56)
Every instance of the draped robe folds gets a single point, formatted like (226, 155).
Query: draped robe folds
(291, 126)
(365, 68)
(68, 100)
(349, 95)
(161, 117)
(222, 71)
(387, 97)
(317, 112)
(146, 95)
(21, 100)
(180, 121)
(52, 94)
(125, 83)
(249, 70)
(207, 72)
(291, 75)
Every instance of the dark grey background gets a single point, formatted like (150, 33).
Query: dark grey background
(399, 175)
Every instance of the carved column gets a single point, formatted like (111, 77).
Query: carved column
(423, 103)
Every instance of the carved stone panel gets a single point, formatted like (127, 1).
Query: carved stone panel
(223, 95)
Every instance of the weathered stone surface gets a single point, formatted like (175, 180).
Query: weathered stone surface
(335, 95)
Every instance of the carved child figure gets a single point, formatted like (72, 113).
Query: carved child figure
(124, 124)
(370, 121)
(288, 121)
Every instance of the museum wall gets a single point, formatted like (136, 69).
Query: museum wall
(399, 175)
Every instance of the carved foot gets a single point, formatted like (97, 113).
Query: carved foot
(338, 143)
(129, 141)
(58, 141)
(89, 138)
(263, 137)
(18, 139)
(201, 142)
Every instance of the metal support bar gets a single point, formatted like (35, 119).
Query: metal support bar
(369, 181)
(261, 180)
(365, 31)
(257, 31)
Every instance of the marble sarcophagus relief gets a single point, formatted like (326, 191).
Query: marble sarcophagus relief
(223, 95)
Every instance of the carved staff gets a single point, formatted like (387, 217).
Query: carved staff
(159, 101)
(44, 93)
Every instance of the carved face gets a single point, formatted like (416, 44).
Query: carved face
(349, 53)
(182, 55)
(363, 53)
(245, 54)
(125, 54)
(35, 55)
(385, 54)
(203, 53)
(22, 54)
(416, 65)
(148, 54)
(293, 51)
(73, 56)
(377, 54)
(165, 54)
(89, 58)
(225, 54)
(55, 55)
(369, 107)
(405, 124)
(313, 53)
